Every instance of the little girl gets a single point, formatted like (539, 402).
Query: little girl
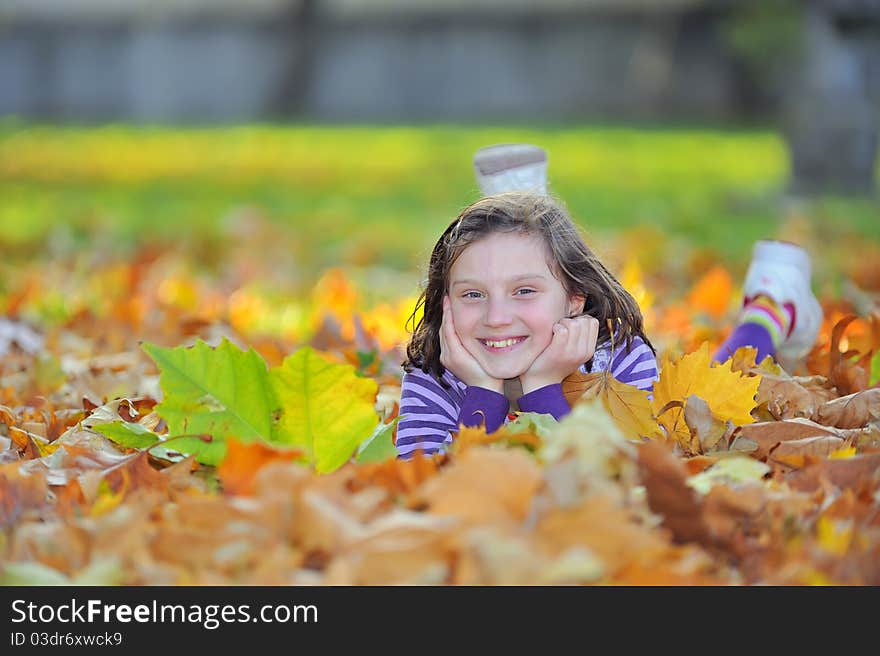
(515, 302)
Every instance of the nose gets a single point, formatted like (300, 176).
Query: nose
(498, 312)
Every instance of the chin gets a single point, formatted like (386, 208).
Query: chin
(505, 372)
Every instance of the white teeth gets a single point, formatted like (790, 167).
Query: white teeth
(501, 344)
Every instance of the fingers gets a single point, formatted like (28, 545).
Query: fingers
(451, 347)
(444, 331)
(576, 337)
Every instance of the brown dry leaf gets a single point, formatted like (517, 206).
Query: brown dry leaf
(768, 434)
(399, 476)
(847, 376)
(244, 460)
(695, 569)
(21, 494)
(629, 406)
(600, 525)
(63, 547)
(819, 445)
(713, 521)
(573, 386)
(729, 395)
(327, 517)
(484, 485)
(665, 479)
(488, 555)
(785, 397)
(729, 512)
(399, 548)
(843, 473)
(707, 431)
(77, 452)
(853, 411)
(135, 473)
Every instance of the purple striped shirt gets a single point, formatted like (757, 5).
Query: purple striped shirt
(429, 412)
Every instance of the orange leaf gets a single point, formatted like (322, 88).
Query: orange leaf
(712, 293)
(399, 476)
(485, 485)
(846, 375)
(470, 436)
(244, 460)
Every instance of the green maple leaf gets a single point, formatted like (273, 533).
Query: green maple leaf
(378, 447)
(135, 436)
(326, 408)
(220, 391)
(128, 434)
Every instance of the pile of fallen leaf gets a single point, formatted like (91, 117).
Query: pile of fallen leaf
(734, 474)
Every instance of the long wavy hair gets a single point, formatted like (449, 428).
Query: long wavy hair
(570, 259)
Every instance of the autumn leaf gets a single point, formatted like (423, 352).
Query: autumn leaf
(128, 434)
(852, 411)
(735, 469)
(485, 485)
(843, 473)
(220, 391)
(379, 447)
(244, 460)
(744, 360)
(819, 445)
(399, 476)
(206, 449)
(712, 293)
(629, 406)
(537, 424)
(327, 409)
(707, 431)
(849, 373)
(729, 395)
(786, 397)
(767, 435)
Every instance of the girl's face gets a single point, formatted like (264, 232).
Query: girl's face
(505, 300)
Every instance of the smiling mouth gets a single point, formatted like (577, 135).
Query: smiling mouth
(501, 345)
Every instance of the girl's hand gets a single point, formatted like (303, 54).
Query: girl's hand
(573, 343)
(455, 357)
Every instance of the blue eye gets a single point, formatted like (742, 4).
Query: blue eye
(471, 295)
(525, 290)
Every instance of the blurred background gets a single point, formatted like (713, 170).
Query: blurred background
(273, 163)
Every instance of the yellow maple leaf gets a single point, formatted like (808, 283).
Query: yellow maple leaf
(729, 394)
(629, 406)
(744, 360)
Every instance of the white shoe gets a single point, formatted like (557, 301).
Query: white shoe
(782, 271)
(511, 167)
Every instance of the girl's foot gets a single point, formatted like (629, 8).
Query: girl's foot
(511, 167)
(777, 295)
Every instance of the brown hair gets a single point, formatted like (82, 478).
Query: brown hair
(571, 260)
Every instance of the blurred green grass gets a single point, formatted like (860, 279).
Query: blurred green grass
(380, 195)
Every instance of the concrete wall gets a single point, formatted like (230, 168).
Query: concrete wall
(386, 60)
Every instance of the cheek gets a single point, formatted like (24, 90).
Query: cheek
(465, 318)
(540, 320)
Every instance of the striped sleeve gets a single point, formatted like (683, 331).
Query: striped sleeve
(428, 413)
(636, 366)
